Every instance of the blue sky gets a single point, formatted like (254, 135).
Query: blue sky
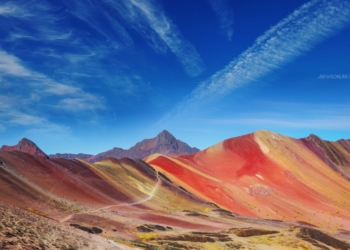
(87, 76)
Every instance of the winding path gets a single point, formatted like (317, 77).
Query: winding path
(153, 192)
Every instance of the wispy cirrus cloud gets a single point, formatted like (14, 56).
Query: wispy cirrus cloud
(70, 38)
(21, 105)
(33, 20)
(95, 15)
(150, 21)
(82, 102)
(9, 9)
(31, 122)
(19, 118)
(289, 115)
(10, 65)
(223, 10)
(295, 35)
(324, 122)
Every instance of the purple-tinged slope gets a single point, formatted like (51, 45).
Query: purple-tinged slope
(335, 154)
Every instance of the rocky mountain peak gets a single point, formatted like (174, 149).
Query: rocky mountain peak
(27, 146)
(164, 143)
(165, 138)
(24, 142)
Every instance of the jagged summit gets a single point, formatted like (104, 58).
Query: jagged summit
(164, 143)
(165, 134)
(25, 141)
(27, 146)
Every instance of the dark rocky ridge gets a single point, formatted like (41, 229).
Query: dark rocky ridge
(71, 156)
(164, 143)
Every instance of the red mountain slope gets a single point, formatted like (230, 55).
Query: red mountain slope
(268, 175)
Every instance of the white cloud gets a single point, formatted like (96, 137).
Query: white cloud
(40, 85)
(99, 18)
(298, 33)
(82, 102)
(12, 10)
(18, 118)
(60, 89)
(329, 122)
(151, 21)
(21, 108)
(15, 117)
(53, 36)
(225, 14)
(32, 122)
(294, 115)
(41, 18)
(10, 65)
(290, 38)
(6, 10)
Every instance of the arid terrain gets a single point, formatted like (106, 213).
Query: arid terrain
(257, 191)
(20, 229)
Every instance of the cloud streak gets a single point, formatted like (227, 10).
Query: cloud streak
(10, 65)
(33, 122)
(151, 22)
(22, 106)
(95, 15)
(298, 33)
(225, 14)
(292, 116)
(33, 20)
(10, 10)
(81, 103)
(329, 122)
(293, 36)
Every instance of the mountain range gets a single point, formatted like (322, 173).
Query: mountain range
(257, 191)
(164, 143)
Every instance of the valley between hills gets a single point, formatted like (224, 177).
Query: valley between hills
(257, 191)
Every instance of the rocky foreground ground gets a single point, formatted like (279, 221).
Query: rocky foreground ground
(20, 229)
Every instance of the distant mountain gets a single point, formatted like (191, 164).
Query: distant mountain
(71, 156)
(27, 146)
(164, 143)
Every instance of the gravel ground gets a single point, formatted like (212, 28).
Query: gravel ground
(20, 229)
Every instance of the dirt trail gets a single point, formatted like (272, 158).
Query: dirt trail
(151, 195)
